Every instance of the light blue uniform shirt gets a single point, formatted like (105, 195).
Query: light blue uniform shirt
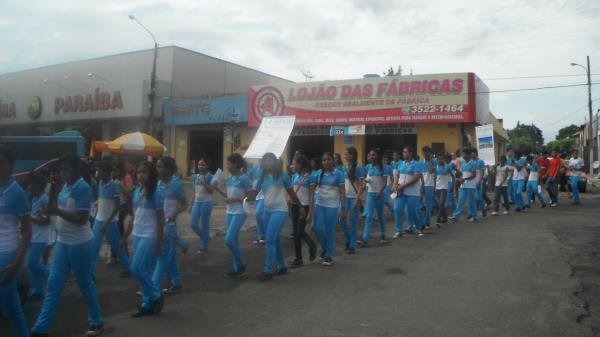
(39, 233)
(237, 188)
(469, 170)
(107, 193)
(200, 192)
(145, 222)
(171, 193)
(275, 192)
(328, 188)
(359, 173)
(13, 204)
(302, 187)
(73, 198)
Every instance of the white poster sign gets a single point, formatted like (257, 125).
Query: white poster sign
(485, 143)
(272, 136)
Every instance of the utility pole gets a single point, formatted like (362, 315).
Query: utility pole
(590, 120)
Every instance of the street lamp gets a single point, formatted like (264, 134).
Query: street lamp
(590, 133)
(152, 94)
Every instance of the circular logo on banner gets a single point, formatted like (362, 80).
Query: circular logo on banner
(268, 103)
(34, 107)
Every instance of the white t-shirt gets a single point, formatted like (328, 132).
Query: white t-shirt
(501, 173)
(72, 198)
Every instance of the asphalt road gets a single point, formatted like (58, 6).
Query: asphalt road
(531, 274)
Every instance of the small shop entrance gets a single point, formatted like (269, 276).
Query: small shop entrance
(310, 146)
(207, 144)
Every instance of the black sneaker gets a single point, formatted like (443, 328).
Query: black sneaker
(327, 262)
(322, 256)
(351, 251)
(297, 264)
(281, 272)
(265, 277)
(362, 243)
(172, 290)
(159, 304)
(452, 219)
(382, 239)
(143, 312)
(95, 330)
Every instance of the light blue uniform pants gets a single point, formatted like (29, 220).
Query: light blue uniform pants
(274, 222)
(399, 209)
(575, 188)
(350, 225)
(10, 304)
(143, 259)
(413, 205)
(429, 203)
(466, 195)
(532, 188)
(518, 193)
(374, 204)
(260, 219)
(201, 211)
(167, 263)
(66, 258)
(325, 219)
(234, 225)
(114, 238)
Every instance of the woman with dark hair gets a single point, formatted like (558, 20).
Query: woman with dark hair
(354, 175)
(147, 226)
(171, 190)
(74, 247)
(121, 174)
(330, 195)
(203, 203)
(407, 186)
(15, 235)
(443, 175)
(40, 235)
(376, 183)
(105, 223)
(275, 185)
(301, 180)
(238, 186)
(338, 163)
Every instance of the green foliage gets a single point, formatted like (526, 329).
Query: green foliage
(565, 145)
(526, 138)
(567, 131)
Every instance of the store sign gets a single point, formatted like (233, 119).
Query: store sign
(391, 129)
(230, 109)
(7, 110)
(350, 130)
(98, 101)
(448, 98)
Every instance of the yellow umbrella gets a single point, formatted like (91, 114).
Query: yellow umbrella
(138, 143)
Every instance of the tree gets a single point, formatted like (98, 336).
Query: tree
(526, 138)
(567, 131)
(565, 145)
(391, 72)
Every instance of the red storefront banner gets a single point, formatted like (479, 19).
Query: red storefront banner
(437, 98)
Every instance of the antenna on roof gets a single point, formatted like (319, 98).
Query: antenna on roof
(308, 76)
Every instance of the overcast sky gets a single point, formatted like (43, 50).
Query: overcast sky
(337, 39)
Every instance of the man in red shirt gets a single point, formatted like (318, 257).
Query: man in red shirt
(553, 172)
(543, 163)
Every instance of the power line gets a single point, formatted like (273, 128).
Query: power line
(535, 76)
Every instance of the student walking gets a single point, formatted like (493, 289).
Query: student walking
(15, 237)
(74, 248)
(502, 172)
(519, 183)
(302, 181)
(576, 165)
(202, 206)
(376, 182)
(468, 190)
(408, 190)
(533, 183)
(353, 183)
(40, 236)
(147, 227)
(444, 175)
(329, 205)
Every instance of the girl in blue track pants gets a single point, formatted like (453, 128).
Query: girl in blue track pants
(354, 175)
(406, 186)
(40, 235)
(202, 208)
(105, 223)
(238, 186)
(259, 206)
(15, 235)
(74, 247)
(467, 191)
(429, 165)
(275, 185)
(533, 183)
(171, 191)
(331, 196)
(576, 165)
(519, 183)
(376, 182)
(147, 227)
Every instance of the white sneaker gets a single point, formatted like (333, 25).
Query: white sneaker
(553, 204)
(505, 212)
(397, 235)
(494, 213)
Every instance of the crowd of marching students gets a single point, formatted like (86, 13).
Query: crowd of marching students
(84, 208)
